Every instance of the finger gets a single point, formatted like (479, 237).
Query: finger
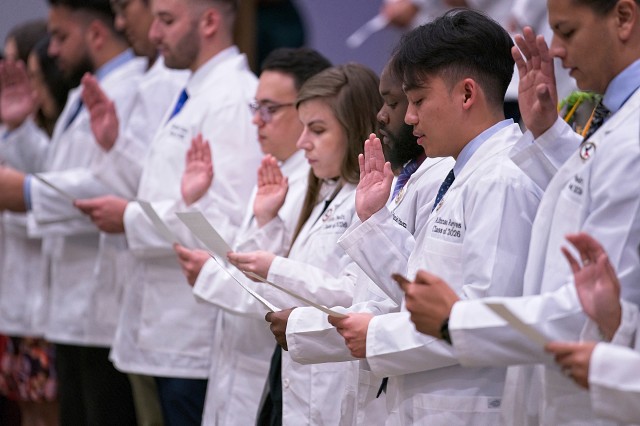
(388, 174)
(367, 157)
(86, 206)
(588, 246)
(424, 277)
(573, 263)
(361, 165)
(402, 281)
(520, 62)
(534, 53)
(378, 154)
(560, 348)
(268, 316)
(522, 46)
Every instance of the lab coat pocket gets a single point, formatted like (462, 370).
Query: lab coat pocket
(246, 386)
(327, 390)
(449, 410)
(446, 254)
(171, 320)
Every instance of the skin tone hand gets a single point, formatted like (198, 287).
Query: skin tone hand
(198, 172)
(17, 98)
(257, 262)
(537, 94)
(574, 359)
(596, 283)
(376, 178)
(354, 330)
(191, 262)
(429, 299)
(400, 12)
(278, 325)
(104, 119)
(11, 190)
(107, 212)
(272, 191)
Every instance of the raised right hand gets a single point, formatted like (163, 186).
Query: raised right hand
(537, 93)
(198, 173)
(104, 119)
(376, 177)
(17, 99)
(272, 191)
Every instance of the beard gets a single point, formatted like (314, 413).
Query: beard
(74, 74)
(402, 147)
(185, 52)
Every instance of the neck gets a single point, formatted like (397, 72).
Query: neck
(107, 53)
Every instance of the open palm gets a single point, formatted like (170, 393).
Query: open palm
(198, 173)
(376, 177)
(17, 100)
(272, 191)
(104, 119)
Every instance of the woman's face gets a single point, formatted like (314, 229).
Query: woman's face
(44, 99)
(323, 139)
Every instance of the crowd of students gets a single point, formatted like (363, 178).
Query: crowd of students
(401, 204)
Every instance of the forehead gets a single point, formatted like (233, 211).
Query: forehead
(274, 84)
(566, 10)
(315, 110)
(62, 18)
(172, 7)
(389, 84)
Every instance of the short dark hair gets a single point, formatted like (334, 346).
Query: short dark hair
(96, 8)
(26, 36)
(300, 63)
(461, 43)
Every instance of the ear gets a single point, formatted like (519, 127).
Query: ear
(96, 35)
(626, 16)
(468, 92)
(210, 22)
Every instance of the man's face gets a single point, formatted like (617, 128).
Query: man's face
(174, 31)
(134, 18)
(585, 42)
(398, 143)
(280, 128)
(69, 43)
(435, 117)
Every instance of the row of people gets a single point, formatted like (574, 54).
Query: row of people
(466, 213)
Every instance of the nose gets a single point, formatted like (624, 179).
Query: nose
(383, 116)
(154, 32)
(303, 141)
(411, 116)
(557, 49)
(54, 48)
(257, 119)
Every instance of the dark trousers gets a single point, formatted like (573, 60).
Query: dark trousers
(182, 400)
(271, 411)
(90, 390)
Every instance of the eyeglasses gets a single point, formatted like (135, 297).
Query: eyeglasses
(266, 110)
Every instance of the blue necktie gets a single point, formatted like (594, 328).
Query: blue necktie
(600, 114)
(182, 99)
(404, 176)
(74, 114)
(444, 188)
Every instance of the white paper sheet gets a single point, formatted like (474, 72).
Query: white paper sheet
(297, 296)
(205, 232)
(270, 306)
(160, 226)
(514, 321)
(62, 192)
(374, 25)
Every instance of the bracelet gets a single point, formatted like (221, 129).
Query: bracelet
(444, 331)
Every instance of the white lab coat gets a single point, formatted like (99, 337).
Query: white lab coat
(319, 269)
(479, 231)
(23, 289)
(581, 195)
(311, 339)
(82, 306)
(244, 344)
(157, 333)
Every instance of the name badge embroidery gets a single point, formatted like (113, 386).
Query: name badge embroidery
(327, 215)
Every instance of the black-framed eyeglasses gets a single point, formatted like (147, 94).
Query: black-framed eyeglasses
(267, 110)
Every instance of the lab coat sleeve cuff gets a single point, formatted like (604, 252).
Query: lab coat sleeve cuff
(358, 230)
(312, 340)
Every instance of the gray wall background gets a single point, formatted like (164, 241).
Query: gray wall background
(329, 23)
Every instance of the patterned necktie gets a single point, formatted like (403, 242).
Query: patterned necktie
(444, 188)
(600, 114)
(182, 99)
(404, 176)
